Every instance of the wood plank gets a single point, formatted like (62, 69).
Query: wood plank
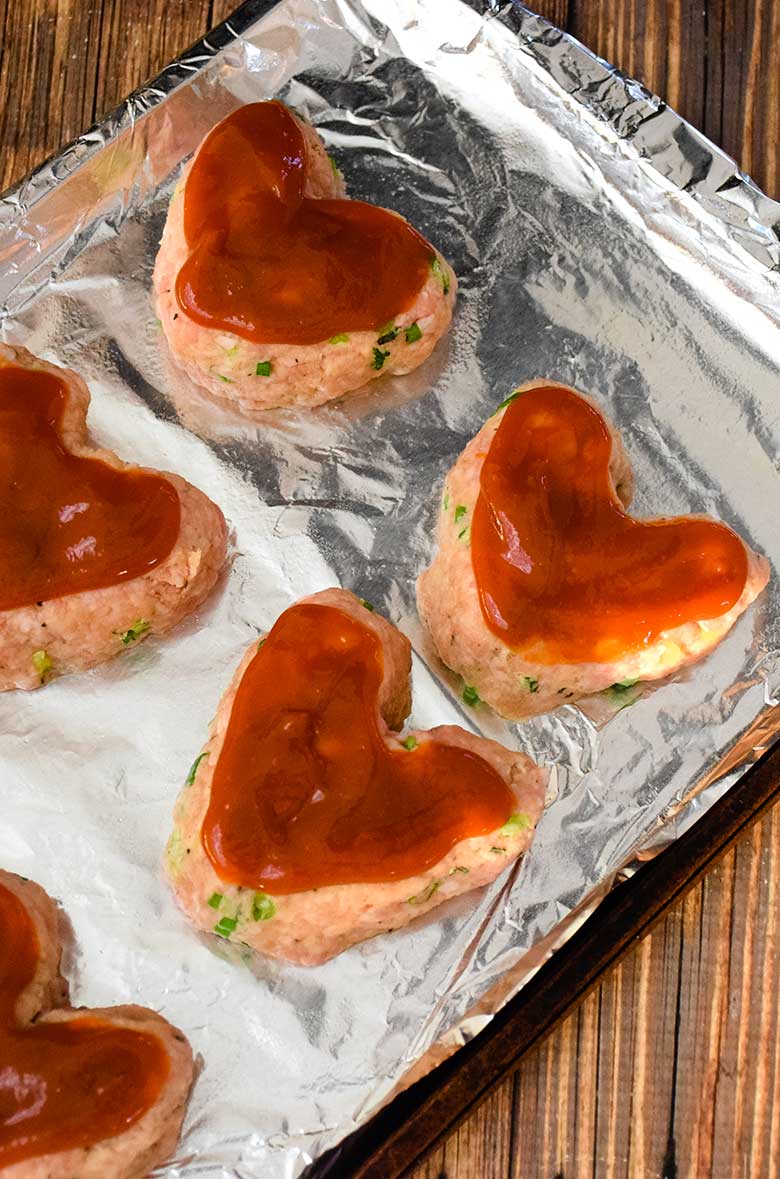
(672, 1066)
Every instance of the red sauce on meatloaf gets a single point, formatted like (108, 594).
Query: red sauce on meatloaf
(64, 1085)
(306, 791)
(564, 574)
(68, 523)
(275, 266)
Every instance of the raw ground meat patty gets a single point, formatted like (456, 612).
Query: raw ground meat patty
(151, 1136)
(80, 629)
(255, 377)
(313, 924)
(516, 686)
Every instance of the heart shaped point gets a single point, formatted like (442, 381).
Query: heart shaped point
(564, 574)
(67, 1084)
(273, 265)
(69, 523)
(308, 790)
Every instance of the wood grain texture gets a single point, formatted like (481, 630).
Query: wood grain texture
(671, 1068)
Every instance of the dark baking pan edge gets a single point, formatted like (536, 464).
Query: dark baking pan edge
(412, 1125)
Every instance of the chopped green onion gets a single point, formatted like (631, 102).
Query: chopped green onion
(531, 684)
(341, 338)
(387, 333)
(222, 377)
(263, 368)
(261, 644)
(263, 908)
(413, 333)
(379, 358)
(460, 512)
(366, 604)
(445, 503)
(215, 900)
(134, 632)
(410, 743)
(194, 769)
(443, 278)
(425, 895)
(470, 695)
(622, 685)
(516, 822)
(225, 926)
(510, 398)
(41, 661)
(465, 533)
(336, 170)
(498, 851)
(458, 868)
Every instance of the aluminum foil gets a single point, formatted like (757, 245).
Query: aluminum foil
(598, 241)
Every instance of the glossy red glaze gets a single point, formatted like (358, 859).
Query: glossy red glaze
(564, 574)
(68, 523)
(307, 791)
(275, 266)
(69, 1084)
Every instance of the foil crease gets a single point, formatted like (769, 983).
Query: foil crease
(599, 240)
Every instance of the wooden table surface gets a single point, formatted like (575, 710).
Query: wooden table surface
(671, 1067)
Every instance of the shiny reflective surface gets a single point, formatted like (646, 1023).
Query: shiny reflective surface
(69, 524)
(64, 1085)
(275, 266)
(306, 791)
(564, 574)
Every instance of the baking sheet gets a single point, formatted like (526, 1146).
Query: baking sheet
(598, 241)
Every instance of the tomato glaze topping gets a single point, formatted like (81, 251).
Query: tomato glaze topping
(307, 792)
(68, 1084)
(69, 523)
(274, 265)
(564, 574)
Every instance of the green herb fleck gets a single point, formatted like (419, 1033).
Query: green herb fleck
(41, 661)
(261, 644)
(460, 512)
(222, 377)
(516, 822)
(366, 604)
(622, 686)
(341, 338)
(445, 503)
(471, 695)
(387, 333)
(410, 743)
(531, 684)
(215, 900)
(413, 333)
(498, 851)
(225, 926)
(379, 358)
(336, 170)
(443, 278)
(507, 400)
(425, 895)
(458, 868)
(263, 908)
(194, 769)
(263, 368)
(134, 632)
(465, 534)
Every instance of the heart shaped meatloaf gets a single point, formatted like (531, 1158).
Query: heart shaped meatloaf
(95, 554)
(84, 1093)
(273, 289)
(308, 823)
(544, 589)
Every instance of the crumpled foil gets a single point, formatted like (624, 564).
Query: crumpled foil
(599, 241)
